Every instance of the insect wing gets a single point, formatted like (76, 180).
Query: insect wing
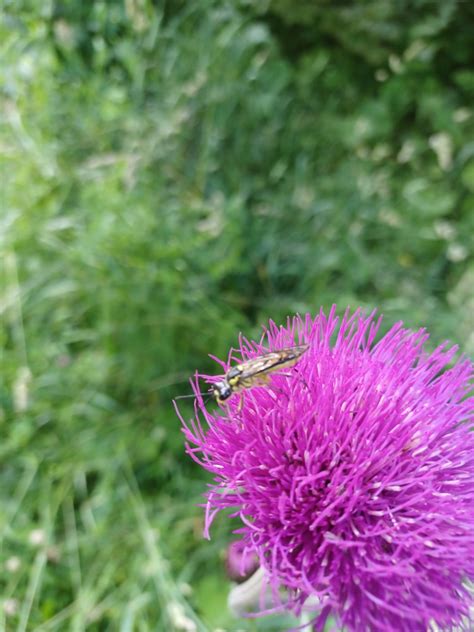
(270, 362)
(259, 365)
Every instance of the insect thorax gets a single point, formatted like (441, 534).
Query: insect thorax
(235, 371)
(233, 376)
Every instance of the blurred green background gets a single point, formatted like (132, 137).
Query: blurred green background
(174, 173)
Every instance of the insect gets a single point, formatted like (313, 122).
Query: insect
(256, 372)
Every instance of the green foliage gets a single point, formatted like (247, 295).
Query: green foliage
(171, 177)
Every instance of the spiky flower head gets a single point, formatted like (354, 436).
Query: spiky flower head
(352, 473)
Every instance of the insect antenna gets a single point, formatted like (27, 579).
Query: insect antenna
(193, 395)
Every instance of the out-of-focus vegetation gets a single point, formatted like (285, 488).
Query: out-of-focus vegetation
(172, 174)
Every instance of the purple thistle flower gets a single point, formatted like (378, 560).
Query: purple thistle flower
(352, 473)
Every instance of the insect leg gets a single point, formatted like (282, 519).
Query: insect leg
(301, 379)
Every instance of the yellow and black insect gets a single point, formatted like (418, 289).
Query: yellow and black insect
(256, 372)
